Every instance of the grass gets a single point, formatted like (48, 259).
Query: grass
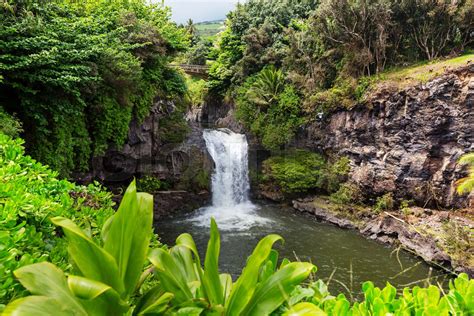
(208, 30)
(401, 78)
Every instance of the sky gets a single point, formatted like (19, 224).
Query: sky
(200, 10)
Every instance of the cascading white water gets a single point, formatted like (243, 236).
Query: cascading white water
(230, 182)
(231, 206)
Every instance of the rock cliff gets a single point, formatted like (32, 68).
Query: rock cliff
(407, 142)
(145, 153)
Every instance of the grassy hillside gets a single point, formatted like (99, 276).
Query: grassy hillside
(207, 30)
(421, 73)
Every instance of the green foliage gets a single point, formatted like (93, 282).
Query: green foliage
(300, 171)
(259, 290)
(108, 273)
(76, 75)
(324, 47)
(152, 184)
(173, 127)
(198, 54)
(9, 125)
(466, 185)
(29, 195)
(196, 91)
(347, 193)
(316, 300)
(269, 108)
(384, 202)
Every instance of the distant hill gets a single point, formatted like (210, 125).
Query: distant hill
(209, 28)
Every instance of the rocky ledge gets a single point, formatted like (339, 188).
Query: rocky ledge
(441, 238)
(173, 202)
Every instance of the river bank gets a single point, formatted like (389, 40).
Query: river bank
(441, 238)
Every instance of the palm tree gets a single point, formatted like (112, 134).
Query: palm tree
(466, 185)
(269, 83)
(191, 28)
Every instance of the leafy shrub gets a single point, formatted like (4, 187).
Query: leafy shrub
(316, 300)
(152, 184)
(295, 172)
(300, 171)
(466, 185)
(9, 125)
(346, 194)
(108, 275)
(384, 202)
(269, 108)
(30, 194)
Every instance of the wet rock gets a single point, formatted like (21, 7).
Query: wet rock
(391, 230)
(322, 214)
(173, 202)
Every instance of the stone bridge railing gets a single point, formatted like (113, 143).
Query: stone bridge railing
(193, 69)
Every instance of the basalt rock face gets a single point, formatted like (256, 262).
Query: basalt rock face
(144, 153)
(407, 142)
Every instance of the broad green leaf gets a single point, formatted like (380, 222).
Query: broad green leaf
(45, 279)
(38, 306)
(93, 261)
(86, 289)
(186, 263)
(170, 275)
(226, 283)
(245, 285)
(128, 236)
(156, 303)
(98, 298)
(276, 289)
(190, 311)
(211, 280)
(305, 309)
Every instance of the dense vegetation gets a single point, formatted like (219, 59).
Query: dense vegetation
(76, 73)
(30, 194)
(108, 279)
(301, 171)
(325, 54)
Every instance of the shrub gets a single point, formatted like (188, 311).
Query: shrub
(269, 108)
(9, 125)
(384, 202)
(152, 184)
(296, 172)
(316, 300)
(346, 194)
(110, 273)
(300, 171)
(30, 194)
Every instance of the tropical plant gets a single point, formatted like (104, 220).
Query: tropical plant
(316, 300)
(466, 185)
(110, 272)
(260, 289)
(30, 193)
(107, 273)
(268, 84)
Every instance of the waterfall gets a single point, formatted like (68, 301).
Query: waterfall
(230, 181)
(231, 206)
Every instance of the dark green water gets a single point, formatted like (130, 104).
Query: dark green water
(350, 257)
